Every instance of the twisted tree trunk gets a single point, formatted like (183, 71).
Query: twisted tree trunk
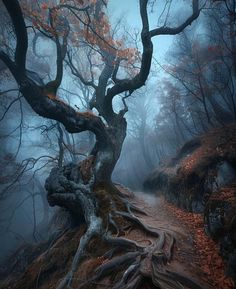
(85, 189)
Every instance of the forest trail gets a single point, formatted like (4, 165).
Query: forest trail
(195, 255)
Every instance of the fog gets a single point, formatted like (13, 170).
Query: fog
(177, 103)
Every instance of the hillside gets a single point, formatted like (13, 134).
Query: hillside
(43, 265)
(202, 178)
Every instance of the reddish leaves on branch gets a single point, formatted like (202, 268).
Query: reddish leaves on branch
(44, 6)
(94, 29)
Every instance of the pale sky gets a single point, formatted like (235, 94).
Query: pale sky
(129, 9)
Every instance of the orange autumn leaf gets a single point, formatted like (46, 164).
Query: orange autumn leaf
(44, 6)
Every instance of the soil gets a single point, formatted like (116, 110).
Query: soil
(196, 255)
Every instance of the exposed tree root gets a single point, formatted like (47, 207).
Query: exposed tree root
(136, 220)
(126, 259)
(130, 206)
(93, 229)
(123, 242)
(136, 261)
(71, 193)
(113, 223)
(129, 271)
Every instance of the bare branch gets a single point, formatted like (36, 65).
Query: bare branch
(146, 35)
(76, 72)
(9, 106)
(140, 79)
(176, 30)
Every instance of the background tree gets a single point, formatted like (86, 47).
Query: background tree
(199, 90)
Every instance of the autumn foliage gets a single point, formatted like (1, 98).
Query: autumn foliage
(88, 23)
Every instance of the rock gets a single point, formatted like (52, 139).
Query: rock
(214, 219)
(225, 174)
(200, 168)
(231, 265)
(220, 224)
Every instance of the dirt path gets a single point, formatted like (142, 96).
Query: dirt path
(194, 255)
(189, 258)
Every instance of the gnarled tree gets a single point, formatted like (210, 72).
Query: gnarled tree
(85, 189)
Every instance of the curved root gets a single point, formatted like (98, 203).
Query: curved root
(140, 261)
(132, 270)
(136, 220)
(93, 229)
(129, 206)
(123, 242)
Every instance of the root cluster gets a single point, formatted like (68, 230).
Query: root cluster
(135, 261)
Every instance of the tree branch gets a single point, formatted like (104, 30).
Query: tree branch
(61, 48)
(53, 108)
(14, 10)
(146, 35)
(140, 79)
(176, 30)
(76, 72)
(10, 65)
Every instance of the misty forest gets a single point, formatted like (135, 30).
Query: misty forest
(118, 144)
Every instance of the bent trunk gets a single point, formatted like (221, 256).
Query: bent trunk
(86, 190)
(107, 153)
